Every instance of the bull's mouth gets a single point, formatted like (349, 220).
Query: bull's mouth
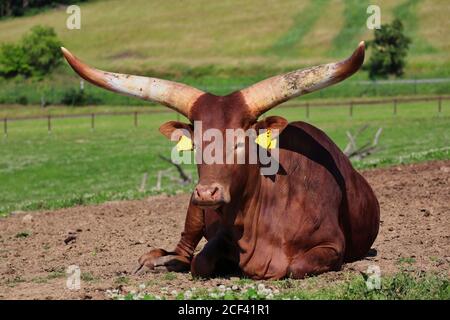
(208, 204)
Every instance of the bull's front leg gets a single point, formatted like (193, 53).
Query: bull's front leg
(179, 259)
(219, 256)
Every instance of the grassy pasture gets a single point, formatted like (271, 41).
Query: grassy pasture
(400, 286)
(198, 44)
(169, 37)
(16, 92)
(75, 165)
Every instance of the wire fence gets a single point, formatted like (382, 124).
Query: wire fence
(350, 104)
(67, 93)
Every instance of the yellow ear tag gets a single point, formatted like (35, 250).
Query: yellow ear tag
(265, 140)
(184, 144)
(273, 144)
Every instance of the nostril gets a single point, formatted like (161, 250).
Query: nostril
(214, 191)
(208, 193)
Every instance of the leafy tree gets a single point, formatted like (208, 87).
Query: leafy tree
(18, 8)
(42, 50)
(12, 61)
(37, 54)
(390, 48)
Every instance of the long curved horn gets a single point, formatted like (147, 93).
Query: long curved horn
(174, 95)
(268, 93)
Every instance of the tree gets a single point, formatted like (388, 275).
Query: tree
(390, 48)
(20, 7)
(42, 49)
(37, 54)
(12, 61)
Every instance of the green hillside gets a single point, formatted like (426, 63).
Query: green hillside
(221, 46)
(158, 34)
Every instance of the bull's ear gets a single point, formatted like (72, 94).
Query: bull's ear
(273, 123)
(173, 130)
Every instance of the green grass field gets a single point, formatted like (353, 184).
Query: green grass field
(146, 35)
(400, 286)
(223, 46)
(75, 165)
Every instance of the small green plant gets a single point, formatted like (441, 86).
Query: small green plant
(87, 276)
(56, 274)
(39, 280)
(122, 280)
(406, 264)
(77, 97)
(23, 234)
(390, 48)
(406, 260)
(170, 276)
(14, 281)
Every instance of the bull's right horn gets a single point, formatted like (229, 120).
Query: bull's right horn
(174, 95)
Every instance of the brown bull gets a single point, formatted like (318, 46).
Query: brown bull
(314, 214)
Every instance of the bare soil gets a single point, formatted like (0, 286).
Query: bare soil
(106, 240)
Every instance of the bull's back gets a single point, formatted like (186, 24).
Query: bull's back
(359, 211)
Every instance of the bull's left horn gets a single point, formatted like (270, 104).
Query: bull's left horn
(268, 93)
(174, 95)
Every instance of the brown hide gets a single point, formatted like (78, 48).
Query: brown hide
(271, 223)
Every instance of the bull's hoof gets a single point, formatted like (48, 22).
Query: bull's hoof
(159, 260)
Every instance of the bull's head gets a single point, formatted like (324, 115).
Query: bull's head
(219, 182)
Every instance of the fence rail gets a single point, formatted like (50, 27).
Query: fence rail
(405, 81)
(307, 105)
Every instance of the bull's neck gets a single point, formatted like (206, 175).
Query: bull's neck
(246, 192)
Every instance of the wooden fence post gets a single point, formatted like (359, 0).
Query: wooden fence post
(93, 121)
(5, 126)
(307, 110)
(351, 109)
(440, 104)
(135, 119)
(49, 124)
(395, 106)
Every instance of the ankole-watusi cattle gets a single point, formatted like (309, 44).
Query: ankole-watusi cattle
(311, 216)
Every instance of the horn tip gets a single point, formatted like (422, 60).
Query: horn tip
(66, 52)
(361, 48)
(359, 53)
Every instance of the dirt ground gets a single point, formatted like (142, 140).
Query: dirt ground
(109, 238)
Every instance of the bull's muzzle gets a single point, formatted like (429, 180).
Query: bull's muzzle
(210, 196)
